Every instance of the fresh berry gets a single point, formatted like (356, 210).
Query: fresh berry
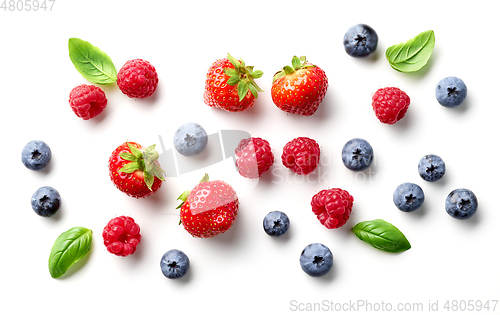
(357, 154)
(316, 260)
(46, 201)
(360, 41)
(301, 155)
(190, 139)
(121, 236)
(253, 157)
(332, 207)
(87, 101)
(461, 204)
(451, 92)
(135, 170)
(299, 89)
(390, 104)
(408, 197)
(431, 168)
(276, 223)
(209, 209)
(36, 155)
(137, 79)
(174, 264)
(230, 85)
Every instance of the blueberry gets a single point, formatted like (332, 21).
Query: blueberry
(276, 223)
(174, 264)
(36, 155)
(451, 92)
(360, 41)
(190, 139)
(461, 204)
(316, 260)
(46, 201)
(431, 168)
(357, 154)
(408, 197)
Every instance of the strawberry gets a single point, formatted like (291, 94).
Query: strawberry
(209, 209)
(230, 85)
(135, 170)
(299, 89)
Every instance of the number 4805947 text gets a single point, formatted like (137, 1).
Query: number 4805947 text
(27, 5)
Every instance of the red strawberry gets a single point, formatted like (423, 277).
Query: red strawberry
(230, 85)
(209, 209)
(299, 89)
(135, 170)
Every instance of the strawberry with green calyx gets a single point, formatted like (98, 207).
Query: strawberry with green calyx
(209, 209)
(299, 89)
(135, 170)
(230, 85)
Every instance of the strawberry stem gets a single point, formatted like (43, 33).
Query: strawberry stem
(243, 77)
(143, 161)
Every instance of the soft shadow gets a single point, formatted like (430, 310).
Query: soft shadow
(153, 98)
(330, 276)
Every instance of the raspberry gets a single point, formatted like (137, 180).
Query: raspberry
(301, 155)
(121, 236)
(332, 207)
(87, 101)
(390, 104)
(253, 157)
(137, 78)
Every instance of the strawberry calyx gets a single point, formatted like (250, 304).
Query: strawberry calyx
(297, 64)
(144, 161)
(243, 76)
(184, 196)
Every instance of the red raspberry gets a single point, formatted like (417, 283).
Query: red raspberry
(332, 207)
(87, 101)
(137, 78)
(121, 236)
(390, 104)
(301, 155)
(253, 157)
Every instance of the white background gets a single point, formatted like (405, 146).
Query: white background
(245, 271)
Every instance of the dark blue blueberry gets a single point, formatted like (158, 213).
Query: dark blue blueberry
(408, 197)
(360, 41)
(36, 155)
(431, 168)
(276, 223)
(190, 139)
(46, 201)
(451, 92)
(316, 260)
(357, 154)
(174, 264)
(461, 204)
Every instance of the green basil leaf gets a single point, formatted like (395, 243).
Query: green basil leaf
(382, 235)
(68, 248)
(92, 63)
(412, 55)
